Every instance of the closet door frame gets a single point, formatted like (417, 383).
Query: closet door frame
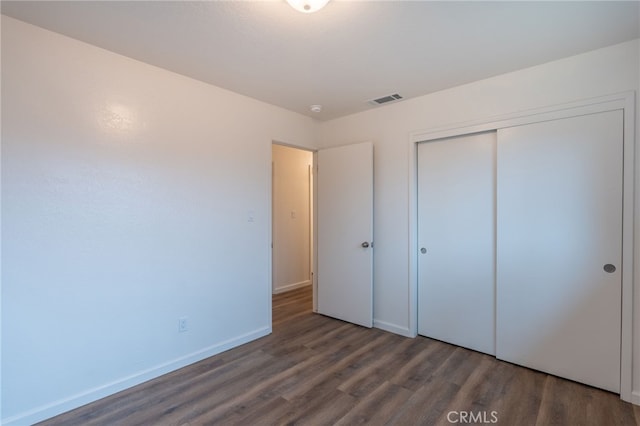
(621, 101)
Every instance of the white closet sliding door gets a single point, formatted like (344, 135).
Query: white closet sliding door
(456, 187)
(559, 247)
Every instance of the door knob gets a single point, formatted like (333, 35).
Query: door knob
(609, 268)
(365, 244)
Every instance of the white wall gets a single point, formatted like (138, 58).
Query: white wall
(291, 218)
(126, 194)
(601, 72)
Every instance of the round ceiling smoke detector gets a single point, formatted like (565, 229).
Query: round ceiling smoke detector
(307, 6)
(316, 108)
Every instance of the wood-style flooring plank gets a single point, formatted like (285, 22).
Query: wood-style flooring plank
(415, 373)
(515, 393)
(378, 407)
(566, 402)
(323, 402)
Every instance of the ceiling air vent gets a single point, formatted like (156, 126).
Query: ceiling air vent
(386, 99)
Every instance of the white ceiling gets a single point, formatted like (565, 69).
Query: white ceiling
(346, 54)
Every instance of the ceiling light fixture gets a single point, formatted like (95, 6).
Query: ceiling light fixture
(307, 6)
(316, 108)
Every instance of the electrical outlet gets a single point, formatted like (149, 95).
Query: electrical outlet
(182, 324)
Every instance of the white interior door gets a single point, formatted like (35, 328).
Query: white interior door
(345, 233)
(456, 237)
(559, 222)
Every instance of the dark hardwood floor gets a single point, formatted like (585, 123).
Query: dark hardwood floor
(314, 370)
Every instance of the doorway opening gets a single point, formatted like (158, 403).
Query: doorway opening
(292, 255)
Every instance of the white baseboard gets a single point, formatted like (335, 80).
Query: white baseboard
(289, 287)
(61, 406)
(392, 328)
(635, 397)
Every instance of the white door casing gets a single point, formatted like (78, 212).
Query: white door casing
(344, 228)
(559, 206)
(456, 238)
